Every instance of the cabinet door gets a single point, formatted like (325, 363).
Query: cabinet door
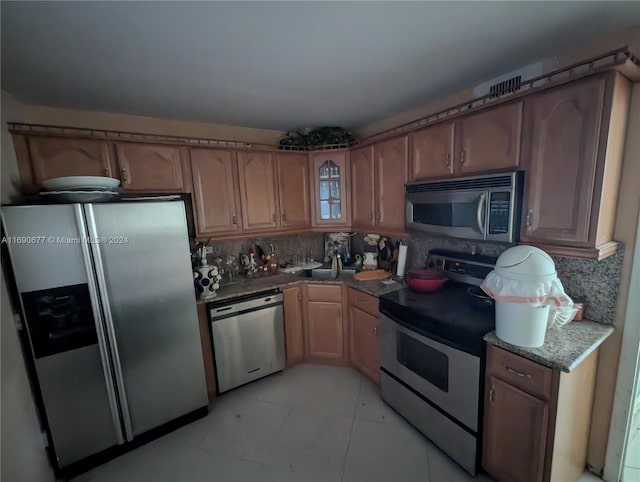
(150, 167)
(215, 192)
(362, 188)
(324, 330)
(391, 176)
(58, 157)
(490, 140)
(293, 333)
(257, 190)
(515, 433)
(432, 152)
(363, 343)
(293, 190)
(564, 124)
(329, 179)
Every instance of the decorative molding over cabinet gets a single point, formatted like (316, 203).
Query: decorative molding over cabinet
(150, 167)
(256, 171)
(573, 155)
(329, 181)
(216, 198)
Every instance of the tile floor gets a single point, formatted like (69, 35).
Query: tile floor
(631, 469)
(312, 423)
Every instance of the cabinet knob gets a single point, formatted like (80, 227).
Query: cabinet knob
(106, 170)
(299, 296)
(491, 394)
(123, 174)
(516, 372)
(375, 330)
(447, 159)
(462, 158)
(234, 219)
(529, 214)
(379, 216)
(371, 215)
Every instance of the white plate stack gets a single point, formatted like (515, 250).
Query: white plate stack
(80, 189)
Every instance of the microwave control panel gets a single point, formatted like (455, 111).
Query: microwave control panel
(499, 214)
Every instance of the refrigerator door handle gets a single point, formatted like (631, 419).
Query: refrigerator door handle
(108, 320)
(102, 342)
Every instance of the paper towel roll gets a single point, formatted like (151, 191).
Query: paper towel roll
(402, 260)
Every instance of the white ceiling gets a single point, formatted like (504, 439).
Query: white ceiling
(280, 65)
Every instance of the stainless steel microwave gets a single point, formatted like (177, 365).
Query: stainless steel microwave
(486, 207)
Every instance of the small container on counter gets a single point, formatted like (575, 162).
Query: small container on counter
(579, 304)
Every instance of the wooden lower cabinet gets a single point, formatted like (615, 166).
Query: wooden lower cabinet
(324, 328)
(293, 325)
(364, 353)
(536, 419)
(363, 339)
(207, 351)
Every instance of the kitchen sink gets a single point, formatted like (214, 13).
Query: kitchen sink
(325, 273)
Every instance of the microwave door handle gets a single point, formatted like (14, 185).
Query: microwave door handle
(480, 211)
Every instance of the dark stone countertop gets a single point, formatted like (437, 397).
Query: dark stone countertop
(255, 285)
(564, 348)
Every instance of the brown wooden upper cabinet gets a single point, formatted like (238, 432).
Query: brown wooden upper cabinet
(216, 196)
(257, 178)
(573, 155)
(379, 173)
(293, 190)
(329, 178)
(150, 167)
(488, 140)
(61, 156)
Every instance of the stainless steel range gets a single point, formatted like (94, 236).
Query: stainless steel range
(432, 356)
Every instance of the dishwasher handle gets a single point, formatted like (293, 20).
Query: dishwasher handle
(247, 306)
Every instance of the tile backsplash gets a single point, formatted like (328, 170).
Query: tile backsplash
(595, 282)
(285, 247)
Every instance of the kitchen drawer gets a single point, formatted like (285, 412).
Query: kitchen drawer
(527, 375)
(324, 293)
(364, 302)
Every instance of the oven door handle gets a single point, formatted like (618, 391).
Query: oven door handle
(479, 211)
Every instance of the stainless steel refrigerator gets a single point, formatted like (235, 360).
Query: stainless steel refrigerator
(108, 299)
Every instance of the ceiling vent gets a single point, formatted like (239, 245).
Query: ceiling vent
(508, 83)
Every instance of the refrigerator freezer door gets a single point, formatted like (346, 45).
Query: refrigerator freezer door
(146, 283)
(63, 317)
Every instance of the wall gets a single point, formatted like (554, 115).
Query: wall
(36, 114)
(22, 450)
(598, 46)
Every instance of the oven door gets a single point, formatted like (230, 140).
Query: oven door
(460, 214)
(447, 377)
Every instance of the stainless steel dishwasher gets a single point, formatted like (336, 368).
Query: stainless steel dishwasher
(248, 338)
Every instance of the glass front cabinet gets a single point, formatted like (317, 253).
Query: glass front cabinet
(329, 178)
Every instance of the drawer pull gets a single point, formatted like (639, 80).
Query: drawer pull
(491, 394)
(516, 372)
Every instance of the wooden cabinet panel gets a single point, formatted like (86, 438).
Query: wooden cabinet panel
(520, 372)
(150, 167)
(363, 301)
(207, 351)
(293, 322)
(490, 140)
(363, 342)
(362, 188)
(215, 192)
(391, 176)
(321, 292)
(58, 157)
(257, 190)
(432, 152)
(329, 181)
(293, 190)
(515, 433)
(561, 156)
(324, 330)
